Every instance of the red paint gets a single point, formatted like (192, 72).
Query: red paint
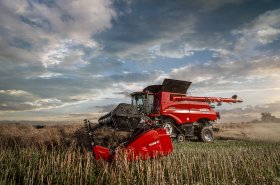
(101, 152)
(187, 109)
(150, 144)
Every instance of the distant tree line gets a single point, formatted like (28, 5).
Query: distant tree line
(266, 117)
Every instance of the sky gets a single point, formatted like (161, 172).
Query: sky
(69, 59)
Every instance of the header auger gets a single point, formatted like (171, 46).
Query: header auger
(158, 114)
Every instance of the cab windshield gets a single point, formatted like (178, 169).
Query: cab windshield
(143, 103)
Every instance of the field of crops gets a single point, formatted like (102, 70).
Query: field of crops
(221, 162)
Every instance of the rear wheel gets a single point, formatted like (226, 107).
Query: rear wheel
(206, 134)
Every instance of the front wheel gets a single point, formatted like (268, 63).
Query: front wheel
(180, 138)
(206, 134)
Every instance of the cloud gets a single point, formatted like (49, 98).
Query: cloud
(164, 31)
(15, 92)
(256, 81)
(170, 50)
(265, 29)
(138, 30)
(19, 100)
(42, 26)
(216, 33)
(63, 56)
(50, 91)
(212, 5)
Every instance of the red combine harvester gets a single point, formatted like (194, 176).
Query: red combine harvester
(157, 114)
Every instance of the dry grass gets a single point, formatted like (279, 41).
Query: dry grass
(199, 163)
(63, 136)
(221, 162)
(44, 166)
(26, 135)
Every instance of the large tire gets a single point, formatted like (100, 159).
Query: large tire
(206, 134)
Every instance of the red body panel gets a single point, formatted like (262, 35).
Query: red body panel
(149, 144)
(184, 111)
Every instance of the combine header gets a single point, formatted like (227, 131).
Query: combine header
(158, 114)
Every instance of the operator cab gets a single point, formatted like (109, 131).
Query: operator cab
(148, 102)
(143, 102)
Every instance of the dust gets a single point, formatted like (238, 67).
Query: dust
(250, 131)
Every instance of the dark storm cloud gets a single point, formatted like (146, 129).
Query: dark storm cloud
(146, 22)
(199, 23)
